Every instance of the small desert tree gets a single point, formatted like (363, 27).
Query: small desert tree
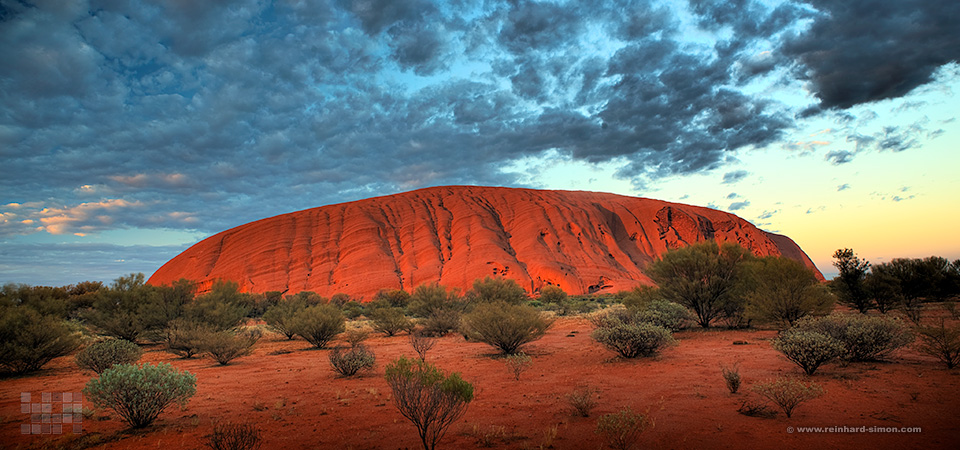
(849, 283)
(702, 277)
(782, 290)
(280, 316)
(397, 298)
(428, 398)
(140, 393)
(552, 295)
(505, 326)
(941, 342)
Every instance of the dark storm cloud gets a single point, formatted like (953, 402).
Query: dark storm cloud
(206, 115)
(859, 51)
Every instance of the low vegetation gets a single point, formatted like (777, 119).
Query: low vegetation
(103, 355)
(390, 320)
(235, 436)
(29, 340)
(788, 393)
(139, 393)
(621, 430)
(422, 343)
(731, 376)
(518, 363)
(808, 349)
(319, 324)
(225, 346)
(348, 362)
(941, 342)
(427, 397)
(504, 326)
(864, 338)
(582, 400)
(624, 332)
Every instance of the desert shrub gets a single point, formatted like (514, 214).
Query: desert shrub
(669, 315)
(422, 343)
(552, 294)
(234, 437)
(390, 321)
(352, 310)
(355, 337)
(489, 290)
(428, 298)
(139, 393)
(518, 363)
(864, 338)
(225, 346)
(340, 299)
(222, 308)
(397, 298)
(582, 400)
(505, 326)
(782, 290)
(621, 429)
(280, 316)
(318, 324)
(441, 321)
(731, 376)
(185, 338)
(787, 393)
(942, 343)
(639, 297)
(103, 355)
(29, 340)
(631, 340)
(348, 362)
(427, 397)
(808, 349)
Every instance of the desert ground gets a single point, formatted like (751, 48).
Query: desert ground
(289, 391)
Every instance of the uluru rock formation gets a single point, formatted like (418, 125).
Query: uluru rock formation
(584, 242)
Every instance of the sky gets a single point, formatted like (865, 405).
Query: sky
(130, 130)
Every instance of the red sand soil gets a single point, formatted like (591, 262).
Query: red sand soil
(584, 242)
(298, 402)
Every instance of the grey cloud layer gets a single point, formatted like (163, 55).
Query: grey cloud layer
(205, 115)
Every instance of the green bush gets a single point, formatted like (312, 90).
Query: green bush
(782, 290)
(552, 294)
(397, 298)
(319, 324)
(140, 393)
(185, 338)
(427, 397)
(505, 326)
(490, 290)
(666, 314)
(808, 349)
(621, 429)
(103, 355)
(390, 321)
(352, 310)
(280, 316)
(787, 393)
(355, 336)
(225, 346)
(631, 340)
(29, 340)
(942, 343)
(441, 321)
(350, 361)
(222, 308)
(429, 298)
(864, 338)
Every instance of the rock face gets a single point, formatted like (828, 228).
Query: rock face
(584, 242)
